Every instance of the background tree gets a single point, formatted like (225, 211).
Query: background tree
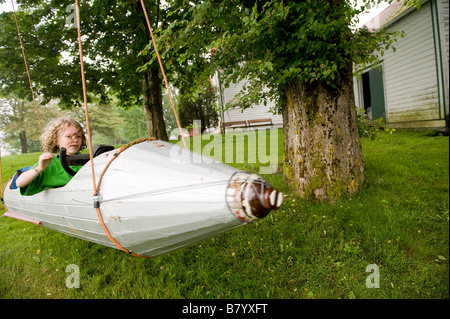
(42, 57)
(202, 108)
(303, 52)
(19, 122)
(134, 126)
(116, 31)
(114, 36)
(105, 122)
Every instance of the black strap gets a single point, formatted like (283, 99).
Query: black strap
(80, 159)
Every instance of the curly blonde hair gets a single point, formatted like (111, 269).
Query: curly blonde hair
(49, 140)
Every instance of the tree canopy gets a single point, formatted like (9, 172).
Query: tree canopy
(114, 36)
(270, 43)
(266, 42)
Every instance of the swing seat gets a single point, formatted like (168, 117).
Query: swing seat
(154, 197)
(66, 161)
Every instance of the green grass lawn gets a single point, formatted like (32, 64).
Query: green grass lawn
(305, 250)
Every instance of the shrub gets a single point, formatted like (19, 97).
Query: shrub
(370, 128)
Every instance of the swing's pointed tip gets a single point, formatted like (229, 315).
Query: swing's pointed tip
(253, 197)
(263, 199)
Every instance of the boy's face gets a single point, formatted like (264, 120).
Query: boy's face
(70, 139)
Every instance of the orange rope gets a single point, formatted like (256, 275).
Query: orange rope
(97, 188)
(26, 66)
(163, 73)
(83, 80)
(99, 213)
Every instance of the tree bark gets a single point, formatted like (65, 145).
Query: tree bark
(23, 142)
(152, 104)
(323, 156)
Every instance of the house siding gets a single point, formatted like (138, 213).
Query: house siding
(414, 86)
(410, 73)
(258, 111)
(415, 76)
(443, 7)
(443, 21)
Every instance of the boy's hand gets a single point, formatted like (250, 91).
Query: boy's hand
(44, 161)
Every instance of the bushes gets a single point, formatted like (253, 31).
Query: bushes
(370, 128)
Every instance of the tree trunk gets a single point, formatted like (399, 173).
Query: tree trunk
(323, 156)
(23, 142)
(152, 104)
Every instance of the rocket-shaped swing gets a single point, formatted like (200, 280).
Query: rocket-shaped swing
(154, 197)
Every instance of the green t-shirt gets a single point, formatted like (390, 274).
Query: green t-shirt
(53, 176)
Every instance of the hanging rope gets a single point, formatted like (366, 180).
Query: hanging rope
(32, 94)
(97, 188)
(83, 81)
(26, 67)
(163, 73)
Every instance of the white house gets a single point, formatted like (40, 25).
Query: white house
(258, 116)
(410, 89)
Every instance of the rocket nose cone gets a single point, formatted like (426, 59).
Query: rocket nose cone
(262, 198)
(275, 198)
(250, 197)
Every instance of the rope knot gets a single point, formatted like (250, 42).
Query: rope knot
(97, 200)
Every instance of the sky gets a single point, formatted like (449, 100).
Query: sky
(6, 6)
(366, 16)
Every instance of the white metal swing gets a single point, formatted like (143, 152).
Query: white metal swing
(152, 197)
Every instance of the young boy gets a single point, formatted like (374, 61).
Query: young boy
(48, 172)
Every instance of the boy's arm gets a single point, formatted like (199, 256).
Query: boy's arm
(27, 177)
